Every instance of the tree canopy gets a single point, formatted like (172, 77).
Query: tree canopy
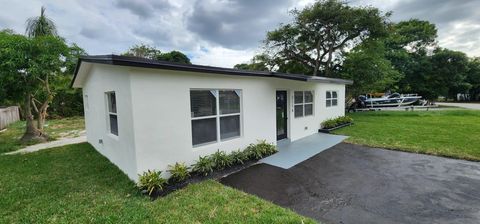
(320, 34)
(146, 51)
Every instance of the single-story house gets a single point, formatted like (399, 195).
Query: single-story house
(146, 114)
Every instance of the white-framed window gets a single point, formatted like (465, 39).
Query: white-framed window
(332, 98)
(216, 115)
(85, 102)
(112, 113)
(303, 103)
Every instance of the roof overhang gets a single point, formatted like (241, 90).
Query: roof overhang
(84, 65)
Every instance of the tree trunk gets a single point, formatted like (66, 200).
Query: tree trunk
(42, 114)
(31, 132)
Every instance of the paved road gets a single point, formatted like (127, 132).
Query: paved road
(355, 184)
(473, 106)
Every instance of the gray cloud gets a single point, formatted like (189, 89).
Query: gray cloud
(437, 11)
(237, 23)
(218, 32)
(144, 9)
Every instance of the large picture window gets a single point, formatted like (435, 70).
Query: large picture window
(303, 103)
(112, 113)
(215, 115)
(332, 98)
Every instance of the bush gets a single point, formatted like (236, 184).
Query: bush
(331, 123)
(238, 156)
(179, 172)
(266, 148)
(204, 165)
(151, 181)
(221, 160)
(260, 150)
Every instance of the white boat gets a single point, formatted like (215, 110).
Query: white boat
(392, 100)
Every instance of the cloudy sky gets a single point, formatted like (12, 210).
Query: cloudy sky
(217, 32)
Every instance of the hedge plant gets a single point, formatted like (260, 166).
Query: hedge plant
(151, 181)
(331, 123)
(179, 172)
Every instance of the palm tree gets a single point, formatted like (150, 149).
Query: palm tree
(40, 26)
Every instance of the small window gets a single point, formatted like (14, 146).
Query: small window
(332, 98)
(85, 102)
(215, 115)
(303, 103)
(112, 113)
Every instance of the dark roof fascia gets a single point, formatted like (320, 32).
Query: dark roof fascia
(147, 63)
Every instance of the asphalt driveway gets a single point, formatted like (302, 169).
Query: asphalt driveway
(355, 184)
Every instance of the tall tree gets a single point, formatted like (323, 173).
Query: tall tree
(40, 26)
(473, 78)
(408, 48)
(320, 34)
(370, 71)
(27, 68)
(449, 73)
(174, 56)
(146, 51)
(143, 51)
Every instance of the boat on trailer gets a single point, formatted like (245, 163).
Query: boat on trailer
(391, 100)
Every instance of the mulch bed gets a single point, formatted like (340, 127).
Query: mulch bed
(195, 178)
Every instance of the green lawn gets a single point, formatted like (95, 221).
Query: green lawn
(75, 184)
(450, 133)
(67, 127)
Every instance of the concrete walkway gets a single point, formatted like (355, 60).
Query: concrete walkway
(292, 153)
(47, 145)
(472, 106)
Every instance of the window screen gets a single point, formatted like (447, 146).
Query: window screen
(215, 115)
(303, 103)
(112, 113)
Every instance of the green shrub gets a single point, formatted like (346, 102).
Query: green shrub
(260, 150)
(345, 119)
(221, 160)
(253, 152)
(179, 172)
(204, 165)
(238, 156)
(151, 181)
(331, 123)
(266, 148)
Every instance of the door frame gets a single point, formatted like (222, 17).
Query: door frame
(285, 110)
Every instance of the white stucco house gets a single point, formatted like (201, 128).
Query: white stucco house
(145, 114)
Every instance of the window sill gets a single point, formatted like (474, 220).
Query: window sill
(200, 146)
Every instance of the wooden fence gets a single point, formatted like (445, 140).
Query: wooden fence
(8, 115)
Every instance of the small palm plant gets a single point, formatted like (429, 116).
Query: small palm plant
(40, 26)
(179, 172)
(151, 181)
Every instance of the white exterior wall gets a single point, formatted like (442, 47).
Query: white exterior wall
(161, 102)
(120, 150)
(154, 118)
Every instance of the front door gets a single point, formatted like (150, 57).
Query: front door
(281, 115)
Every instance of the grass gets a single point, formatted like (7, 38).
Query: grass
(449, 133)
(75, 184)
(60, 128)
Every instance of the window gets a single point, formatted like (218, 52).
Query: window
(303, 103)
(215, 115)
(85, 102)
(332, 98)
(112, 112)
